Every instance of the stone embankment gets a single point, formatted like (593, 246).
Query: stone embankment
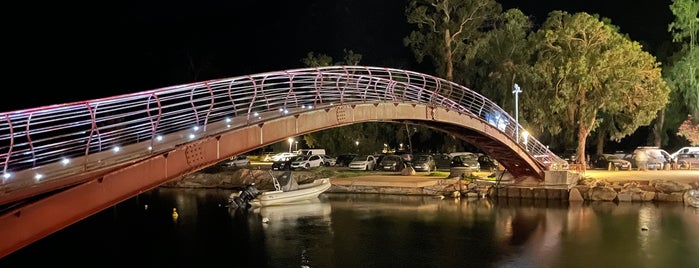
(587, 189)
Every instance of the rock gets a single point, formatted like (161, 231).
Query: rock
(575, 195)
(671, 186)
(599, 193)
(408, 171)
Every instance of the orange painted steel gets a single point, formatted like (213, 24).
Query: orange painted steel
(67, 205)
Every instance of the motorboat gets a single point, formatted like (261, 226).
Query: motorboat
(287, 191)
(691, 197)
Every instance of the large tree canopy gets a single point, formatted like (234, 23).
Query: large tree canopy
(584, 66)
(450, 32)
(494, 72)
(683, 74)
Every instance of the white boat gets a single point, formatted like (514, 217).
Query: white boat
(287, 191)
(691, 197)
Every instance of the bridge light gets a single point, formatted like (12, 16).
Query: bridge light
(150, 148)
(192, 136)
(65, 161)
(116, 149)
(228, 120)
(196, 128)
(38, 176)
(159, 138)
(7, 175)
(525, 137)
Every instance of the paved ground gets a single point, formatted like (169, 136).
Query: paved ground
(675, 175)
(422, 179)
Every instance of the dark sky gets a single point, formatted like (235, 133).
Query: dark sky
(62, 52)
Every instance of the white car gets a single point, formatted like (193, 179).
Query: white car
(283, 156)
(237, 161)
(363, 162)
(307, 162)
(329, 161)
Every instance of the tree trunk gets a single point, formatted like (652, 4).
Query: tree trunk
(658, 128)
(448, 64)
(600, 142)
(580, 151)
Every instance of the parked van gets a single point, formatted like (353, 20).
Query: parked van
(685, 150)
(310, 151)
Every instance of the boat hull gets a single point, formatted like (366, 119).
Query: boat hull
(304, 192)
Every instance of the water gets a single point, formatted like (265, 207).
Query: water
(366, 230)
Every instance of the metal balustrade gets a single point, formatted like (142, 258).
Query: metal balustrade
(90, 134)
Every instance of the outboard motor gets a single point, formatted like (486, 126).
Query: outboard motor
(247, 194)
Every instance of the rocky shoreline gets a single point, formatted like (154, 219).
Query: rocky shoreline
(586, 190)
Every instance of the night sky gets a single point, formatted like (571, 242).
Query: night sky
(64, 52)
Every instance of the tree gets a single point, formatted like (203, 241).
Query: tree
(583, 66)
(450, 32)
(320, 60)
(506, 53)
(682, 73)
(690, 131)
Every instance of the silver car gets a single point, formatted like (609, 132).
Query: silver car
(363, 162)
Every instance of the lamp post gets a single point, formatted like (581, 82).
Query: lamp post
(516, 92)
(357, 144)
(291, 142)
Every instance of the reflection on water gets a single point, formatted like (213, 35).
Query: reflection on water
(367, 230)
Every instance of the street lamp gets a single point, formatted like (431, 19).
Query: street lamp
(357, 144)
(296, 145)
(516, 92)
(291, 142)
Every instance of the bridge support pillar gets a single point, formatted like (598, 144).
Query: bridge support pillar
(560, 179)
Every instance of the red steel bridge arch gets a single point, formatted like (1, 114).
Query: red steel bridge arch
(125, 145)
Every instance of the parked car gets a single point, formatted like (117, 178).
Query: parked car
(604, 160)
(688, 160)
(268, 157)
(407, 158)
(237, 161)
(657, 158)
(328, 161)
(391, 163)
(363, 162)
(442, 160)
(308, 161)
(424, 162)
(283, 156)
(343, 160)
(569, 155)
(552, 163)
(284, 164)
(468, 160)
(685, 150)
(488, 163)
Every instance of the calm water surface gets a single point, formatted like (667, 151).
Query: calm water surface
(366, 230)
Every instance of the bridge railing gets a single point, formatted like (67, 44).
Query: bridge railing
(45, 142)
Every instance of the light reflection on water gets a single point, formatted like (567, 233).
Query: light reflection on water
(367, 230)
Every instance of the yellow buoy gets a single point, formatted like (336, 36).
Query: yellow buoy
(174, 213)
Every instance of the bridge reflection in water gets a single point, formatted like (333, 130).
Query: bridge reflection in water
(73, 160)
(366, 230)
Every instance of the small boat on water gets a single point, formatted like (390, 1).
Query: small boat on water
(691, 197)
(287, 191)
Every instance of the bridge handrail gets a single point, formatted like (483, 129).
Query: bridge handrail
(93, 131)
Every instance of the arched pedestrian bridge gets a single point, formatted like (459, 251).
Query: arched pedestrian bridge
(64, 162)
